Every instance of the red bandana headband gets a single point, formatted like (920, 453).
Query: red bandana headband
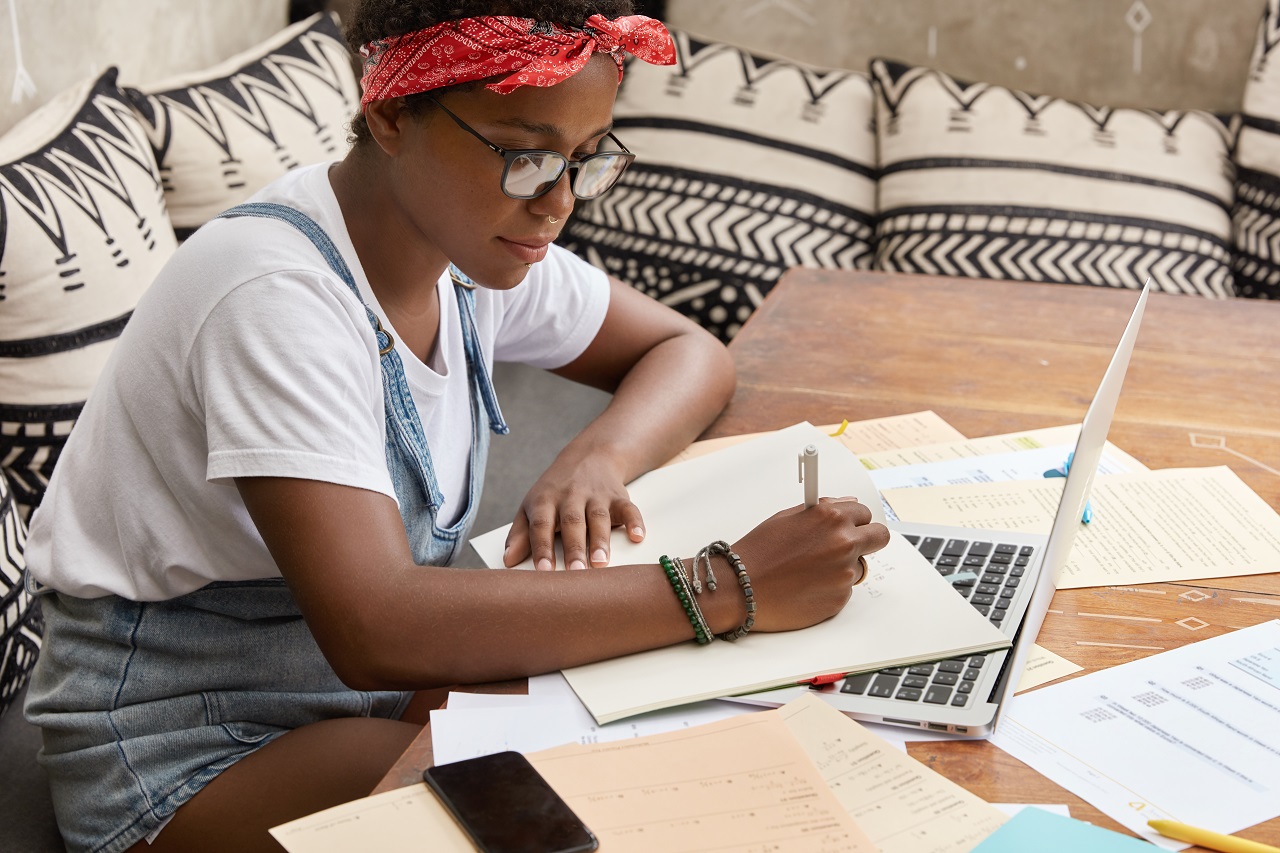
(539, 53)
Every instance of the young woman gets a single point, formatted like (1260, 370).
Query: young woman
(244, 551)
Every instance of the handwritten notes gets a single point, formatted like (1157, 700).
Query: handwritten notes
(901, 804)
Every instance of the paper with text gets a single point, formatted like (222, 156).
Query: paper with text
(1008, 443)
(458, 733)
(1043, 666)
(1191, 734)
(902, 805)
(869, 436)
(740, 784)
(405, 820)
(1154, 526)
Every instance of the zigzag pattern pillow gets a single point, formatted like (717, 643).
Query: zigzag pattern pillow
(83, 231)
(20, 622)
(745, 165)
(222, 134)
(1256, 218)
(979, 180)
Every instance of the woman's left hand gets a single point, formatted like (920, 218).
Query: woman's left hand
(581, 497)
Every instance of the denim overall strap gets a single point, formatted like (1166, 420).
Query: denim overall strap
(471, 340)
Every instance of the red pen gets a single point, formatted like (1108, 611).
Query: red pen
(825, 679)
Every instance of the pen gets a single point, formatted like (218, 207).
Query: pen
(1212, 840)
(809, 475)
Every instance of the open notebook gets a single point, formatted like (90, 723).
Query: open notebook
(723, 495)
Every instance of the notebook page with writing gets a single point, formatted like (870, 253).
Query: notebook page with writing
(904, 613)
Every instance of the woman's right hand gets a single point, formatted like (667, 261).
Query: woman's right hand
(803, 564)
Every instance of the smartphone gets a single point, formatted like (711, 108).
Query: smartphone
(506, 806)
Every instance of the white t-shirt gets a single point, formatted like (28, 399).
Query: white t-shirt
(249, 357)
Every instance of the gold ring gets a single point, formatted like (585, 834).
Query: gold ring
(866, 570)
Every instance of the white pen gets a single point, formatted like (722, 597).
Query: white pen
(808, 463)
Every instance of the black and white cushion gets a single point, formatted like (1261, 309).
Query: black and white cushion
(980, 180)
(745, 165)
(1256, 218)
(20, 623)
(223, 133)
(83, 231)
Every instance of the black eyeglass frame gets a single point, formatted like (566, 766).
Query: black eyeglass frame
(510, 155)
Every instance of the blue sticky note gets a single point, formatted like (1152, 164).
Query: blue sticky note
(1045, 832)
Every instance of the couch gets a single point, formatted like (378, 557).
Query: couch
(747, 165)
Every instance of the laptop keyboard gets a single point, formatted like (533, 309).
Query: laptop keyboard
(988, 575)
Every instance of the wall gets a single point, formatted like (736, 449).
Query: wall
(1149, 53)
(62, 42)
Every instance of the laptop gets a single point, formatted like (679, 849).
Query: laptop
(1008, 577)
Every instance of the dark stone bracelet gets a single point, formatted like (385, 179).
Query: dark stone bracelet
(722, 548)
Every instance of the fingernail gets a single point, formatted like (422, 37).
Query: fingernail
(544, 565)
(577, 566)
(637, 531)
(599, 557)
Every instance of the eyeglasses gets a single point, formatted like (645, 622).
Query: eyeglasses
(530, 173)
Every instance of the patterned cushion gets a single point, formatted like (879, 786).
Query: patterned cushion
(979, 180)
(745, 165)
(222, 134)
(20, 623)
(1256, 218)
(83, 231)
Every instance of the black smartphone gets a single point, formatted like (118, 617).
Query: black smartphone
(506, 806)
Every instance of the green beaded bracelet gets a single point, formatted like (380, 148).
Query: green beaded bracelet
(701, 631)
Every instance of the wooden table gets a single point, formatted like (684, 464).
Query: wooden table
(1203, 389)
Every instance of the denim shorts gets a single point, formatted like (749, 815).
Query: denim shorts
(143, 703)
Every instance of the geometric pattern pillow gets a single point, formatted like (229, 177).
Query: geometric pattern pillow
(1256, 217)
(20, 624)
(980, 180)
(83, 231)
(223, 133)
(745, 165)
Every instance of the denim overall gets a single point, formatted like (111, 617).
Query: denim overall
(143, 703)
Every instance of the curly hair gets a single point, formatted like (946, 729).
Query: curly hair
(376, 19)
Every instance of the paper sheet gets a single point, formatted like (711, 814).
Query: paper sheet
(1043, 666)
(869, 436)
(458, 733)
(902, 805)
(999, 467)
(1007, 443)
(1156, 526)
(750, 482)
(1191, 734)
(1044, 832)
(405, 820)
(739, 784)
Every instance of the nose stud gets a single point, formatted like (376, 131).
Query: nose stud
(552, 220)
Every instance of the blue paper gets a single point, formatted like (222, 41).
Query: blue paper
(1045, 832)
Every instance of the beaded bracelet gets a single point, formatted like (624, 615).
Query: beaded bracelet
(679, 583)
(721, 547)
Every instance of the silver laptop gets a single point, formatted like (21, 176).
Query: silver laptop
(1009, 578)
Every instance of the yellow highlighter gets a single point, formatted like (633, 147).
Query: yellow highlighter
(1211, 840)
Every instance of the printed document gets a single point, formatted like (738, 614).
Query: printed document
(1009, 443)
(1173, 524)
(1191, 734)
